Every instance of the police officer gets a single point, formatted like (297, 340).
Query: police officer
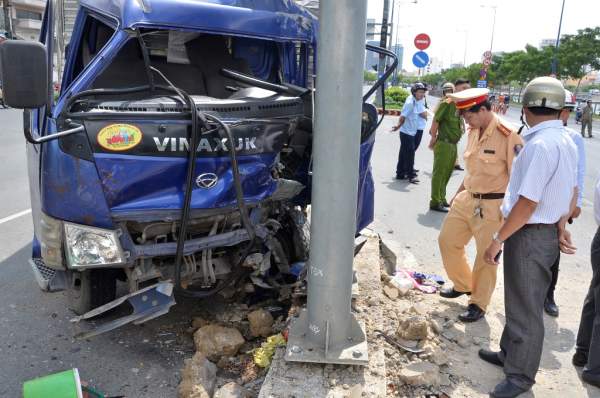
(586, 119)
(550, 305)
(446, 130)
(541, 195)
(475, 209)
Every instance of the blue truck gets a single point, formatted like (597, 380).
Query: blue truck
(177, 156)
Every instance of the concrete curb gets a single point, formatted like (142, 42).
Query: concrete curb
(290, 379)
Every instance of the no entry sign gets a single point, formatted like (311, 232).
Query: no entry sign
(422, 41)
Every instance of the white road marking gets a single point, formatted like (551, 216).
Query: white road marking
(14, 216)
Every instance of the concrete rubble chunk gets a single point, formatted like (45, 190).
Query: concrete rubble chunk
(198, 378)
(391, 292)
(261, 323)
(232, 390)
(435, 326)
(413, 328)
(216, 341)
(420, 373)
(418, 309)
(198, 322)
(439, 357)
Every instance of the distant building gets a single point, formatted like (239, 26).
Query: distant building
(372, 30)
(26, 17)
(435, 65)
(398, 49)
(372, 58)
(547, 43)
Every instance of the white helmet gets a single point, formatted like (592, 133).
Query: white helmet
(570, 102)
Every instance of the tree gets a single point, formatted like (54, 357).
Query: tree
(579, 53)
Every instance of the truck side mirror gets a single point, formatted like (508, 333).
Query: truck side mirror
(24, 74)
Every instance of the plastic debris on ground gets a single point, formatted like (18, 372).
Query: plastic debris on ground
(426, 283)
(264, 354)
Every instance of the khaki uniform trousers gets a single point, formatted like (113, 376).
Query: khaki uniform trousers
(462, 224)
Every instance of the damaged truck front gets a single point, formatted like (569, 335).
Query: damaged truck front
(177, 157)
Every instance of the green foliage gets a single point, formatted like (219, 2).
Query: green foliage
(370, 76)
(396, 95)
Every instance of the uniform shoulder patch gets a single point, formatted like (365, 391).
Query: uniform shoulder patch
(505, 129)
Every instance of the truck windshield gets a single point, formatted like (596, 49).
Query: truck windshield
(193, 61)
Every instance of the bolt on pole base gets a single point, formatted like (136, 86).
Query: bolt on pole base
(353, 351)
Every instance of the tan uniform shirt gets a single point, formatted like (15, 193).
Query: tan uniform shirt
(489, 159)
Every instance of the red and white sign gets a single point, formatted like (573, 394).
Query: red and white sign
(487, 55)
(422, 41)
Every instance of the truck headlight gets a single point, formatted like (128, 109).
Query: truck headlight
(92, 247)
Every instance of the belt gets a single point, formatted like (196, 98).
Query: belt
(487, 196)
(447, 141)
(538, 226)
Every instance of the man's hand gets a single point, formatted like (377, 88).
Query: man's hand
(564, 241)
(395, 128)
(576, 213)
(432, 142)
(491, 252)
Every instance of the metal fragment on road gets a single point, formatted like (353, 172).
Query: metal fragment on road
(161, 295)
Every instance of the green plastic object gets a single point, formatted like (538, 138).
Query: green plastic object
(58, 385)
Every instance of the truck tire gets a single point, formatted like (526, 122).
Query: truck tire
(91, 289)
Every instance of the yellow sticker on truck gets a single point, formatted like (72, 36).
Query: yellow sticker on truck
(119, 137)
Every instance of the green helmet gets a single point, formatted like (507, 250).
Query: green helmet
(448, 87)
(544, 92)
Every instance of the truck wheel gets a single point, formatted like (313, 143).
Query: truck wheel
(91, 289)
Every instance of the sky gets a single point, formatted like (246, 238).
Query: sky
(450, 22)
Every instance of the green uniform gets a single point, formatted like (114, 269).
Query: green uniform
(444, 152)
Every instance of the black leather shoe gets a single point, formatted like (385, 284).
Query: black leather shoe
(415, 171)
(449, 292)
(506, 389)
(492, 357)
(446, 204)
(414, 180)
(458, 167)
(580, 359)
(473, 313)
(439, 208)
(591, 378)
(400, 177)
(550, 307)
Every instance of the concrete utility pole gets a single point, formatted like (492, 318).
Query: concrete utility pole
(7, 18)
(383, 44)
(327, 332)
(554, 58)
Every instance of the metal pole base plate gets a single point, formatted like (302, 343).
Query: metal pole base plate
(353, 352)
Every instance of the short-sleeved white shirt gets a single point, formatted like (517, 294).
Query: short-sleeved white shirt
(545, 172)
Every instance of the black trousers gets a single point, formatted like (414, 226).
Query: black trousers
(554, 270)
(418, 138)
(406, 158)
(528, 257)
(588, 337)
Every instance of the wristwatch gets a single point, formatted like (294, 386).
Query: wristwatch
(496, 237)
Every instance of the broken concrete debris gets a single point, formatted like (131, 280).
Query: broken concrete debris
(198, 378)
(261, 323)
(232, 390)
(215, 341)
(420, 373)
(413, 328)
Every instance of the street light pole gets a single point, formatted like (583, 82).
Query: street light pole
(493, 28)
(554, 58)
(383, 44)
(327, 331)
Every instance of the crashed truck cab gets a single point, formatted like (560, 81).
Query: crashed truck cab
(178, 154)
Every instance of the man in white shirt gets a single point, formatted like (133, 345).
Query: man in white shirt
(540, 198)
(550, 305)
(587, 352)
